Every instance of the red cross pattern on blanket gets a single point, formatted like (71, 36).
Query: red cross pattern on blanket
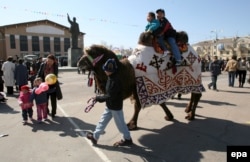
(142, 67)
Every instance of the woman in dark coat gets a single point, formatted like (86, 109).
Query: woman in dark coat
(50, 66)
(21, 74)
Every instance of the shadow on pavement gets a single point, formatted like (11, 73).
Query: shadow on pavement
(6, 109)
(183, 105)
(234, 91)
(186, 142)
(62, 124)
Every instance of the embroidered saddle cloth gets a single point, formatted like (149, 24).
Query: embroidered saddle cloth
(157, 80)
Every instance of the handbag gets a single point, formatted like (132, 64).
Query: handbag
(59, 95)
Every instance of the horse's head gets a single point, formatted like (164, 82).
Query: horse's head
(94, 58)
(146, 39)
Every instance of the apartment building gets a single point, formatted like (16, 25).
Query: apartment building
(224, 48)
(39, 38)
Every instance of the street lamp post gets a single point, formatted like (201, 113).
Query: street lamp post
(215, 41)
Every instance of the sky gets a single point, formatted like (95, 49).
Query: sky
(120, 22)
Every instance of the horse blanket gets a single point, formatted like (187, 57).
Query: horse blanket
(157, 80)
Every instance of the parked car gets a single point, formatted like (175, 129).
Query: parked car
(30, 58)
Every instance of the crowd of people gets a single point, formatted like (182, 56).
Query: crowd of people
(236, 68)
(19, 75)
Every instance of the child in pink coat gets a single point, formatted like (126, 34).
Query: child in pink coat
(25, 103)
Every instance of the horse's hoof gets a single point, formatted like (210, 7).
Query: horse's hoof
(132, 129)
(189, 117)
(169, 118)
(132, 126)
(187, 110)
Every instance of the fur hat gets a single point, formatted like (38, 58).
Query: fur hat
(25, 87)
(110, 65)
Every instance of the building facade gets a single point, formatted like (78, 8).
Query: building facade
(37, 38)
(224, 48)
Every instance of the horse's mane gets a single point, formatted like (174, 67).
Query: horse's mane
(97, 50)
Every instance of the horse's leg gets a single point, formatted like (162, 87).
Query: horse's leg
(132, 124)
(169, 116)
(189, 105)
(196, 99)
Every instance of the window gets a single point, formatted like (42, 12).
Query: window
(66, 44)
(12, 42)
(35, 43)
(46, 44)
(23, 43)
(57, 46)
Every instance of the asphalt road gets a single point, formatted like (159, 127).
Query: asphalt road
(223, 118)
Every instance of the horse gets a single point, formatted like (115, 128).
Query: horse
(96, 55)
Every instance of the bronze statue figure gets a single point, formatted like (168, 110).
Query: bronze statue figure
(74, 30)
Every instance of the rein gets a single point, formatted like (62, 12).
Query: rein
(93, 62)
(91, 103)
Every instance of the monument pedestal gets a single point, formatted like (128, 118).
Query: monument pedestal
(73, 55)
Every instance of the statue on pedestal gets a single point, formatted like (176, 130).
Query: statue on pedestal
(74, 30)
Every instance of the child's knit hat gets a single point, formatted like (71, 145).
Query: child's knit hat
(25, 87)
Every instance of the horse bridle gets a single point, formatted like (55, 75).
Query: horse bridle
(95, 60)
(91, 102)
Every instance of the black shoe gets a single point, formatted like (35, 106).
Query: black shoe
(90, 137)
(208, 86)
(124, 143)
(179, 96)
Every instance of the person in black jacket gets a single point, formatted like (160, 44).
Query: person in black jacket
(50, 66)
(215, 69)
(167, 32)
(114, 104)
